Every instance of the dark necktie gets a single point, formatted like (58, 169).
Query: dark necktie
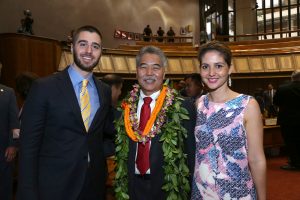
(142, 159)
(271, 97)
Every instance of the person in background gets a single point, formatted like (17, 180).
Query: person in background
(148, 162)
(61, 146)
(171, 34)
(9, 131)
(116, 84)
(24, 80)
(230, 160)
(194, 88)
(287, 98)
(70, 38)
(181, 87)
(268, 99)
(147, 33)
(259, 97)
(160, 34)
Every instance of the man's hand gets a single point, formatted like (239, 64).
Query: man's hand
(10, 153)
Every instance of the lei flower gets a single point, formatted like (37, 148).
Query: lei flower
(157, 118)
(165, 118)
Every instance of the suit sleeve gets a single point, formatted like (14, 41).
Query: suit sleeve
(13, 117)
(32, 131)
(109, 131)
(276, 98)
(109, 134)
(190, 143)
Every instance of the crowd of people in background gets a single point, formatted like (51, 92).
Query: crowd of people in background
(70, 124)
(147, 34)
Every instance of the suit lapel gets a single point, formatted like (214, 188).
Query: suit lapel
(131, 156)
(102, 102)
(65, 84)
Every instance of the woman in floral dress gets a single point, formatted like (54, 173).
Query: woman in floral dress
(230, 161)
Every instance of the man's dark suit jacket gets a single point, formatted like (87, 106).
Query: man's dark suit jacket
(156, 156)
(8, 121)
(54, 144)
(287, 98)
(8, 118)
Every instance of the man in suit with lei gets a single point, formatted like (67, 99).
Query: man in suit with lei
(154, 136)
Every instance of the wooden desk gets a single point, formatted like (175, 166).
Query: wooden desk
(272, 137)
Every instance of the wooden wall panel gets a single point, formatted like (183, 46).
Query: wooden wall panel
(297, 61)
(14, 58)
(270, 63)
(42, 54)
(20, 53)
(197, 64)
(120, 64)
(188, 65)
(256, 64)
(131, 64)
(233, 67)
(106, 64)
(174, 66)
(241, 64)
(285, 62)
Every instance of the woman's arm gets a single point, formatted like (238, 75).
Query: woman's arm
(256, 157)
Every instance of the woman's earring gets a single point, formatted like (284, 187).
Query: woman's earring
(229, 81)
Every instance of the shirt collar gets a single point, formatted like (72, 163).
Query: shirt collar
(76, 78)
(153, 96)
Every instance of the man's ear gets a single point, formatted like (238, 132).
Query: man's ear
(71, 48)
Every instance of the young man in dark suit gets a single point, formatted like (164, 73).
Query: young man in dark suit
(9, 131)
(61, 143)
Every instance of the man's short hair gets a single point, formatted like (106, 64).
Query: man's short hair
(24, 80)
(296, 75)
(151, 50)
(194, 77)
(87, 28)
(112, 79)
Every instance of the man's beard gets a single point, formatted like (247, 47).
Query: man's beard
(87, 68)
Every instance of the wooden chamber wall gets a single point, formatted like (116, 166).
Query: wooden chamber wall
(20, 53)
(255, 63)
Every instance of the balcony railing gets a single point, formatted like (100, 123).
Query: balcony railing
(259, 36)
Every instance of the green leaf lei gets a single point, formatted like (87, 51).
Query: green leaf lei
(176, 183)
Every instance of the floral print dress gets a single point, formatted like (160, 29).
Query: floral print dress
(221, 167)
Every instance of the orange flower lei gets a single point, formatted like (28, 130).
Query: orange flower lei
(146, 134)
